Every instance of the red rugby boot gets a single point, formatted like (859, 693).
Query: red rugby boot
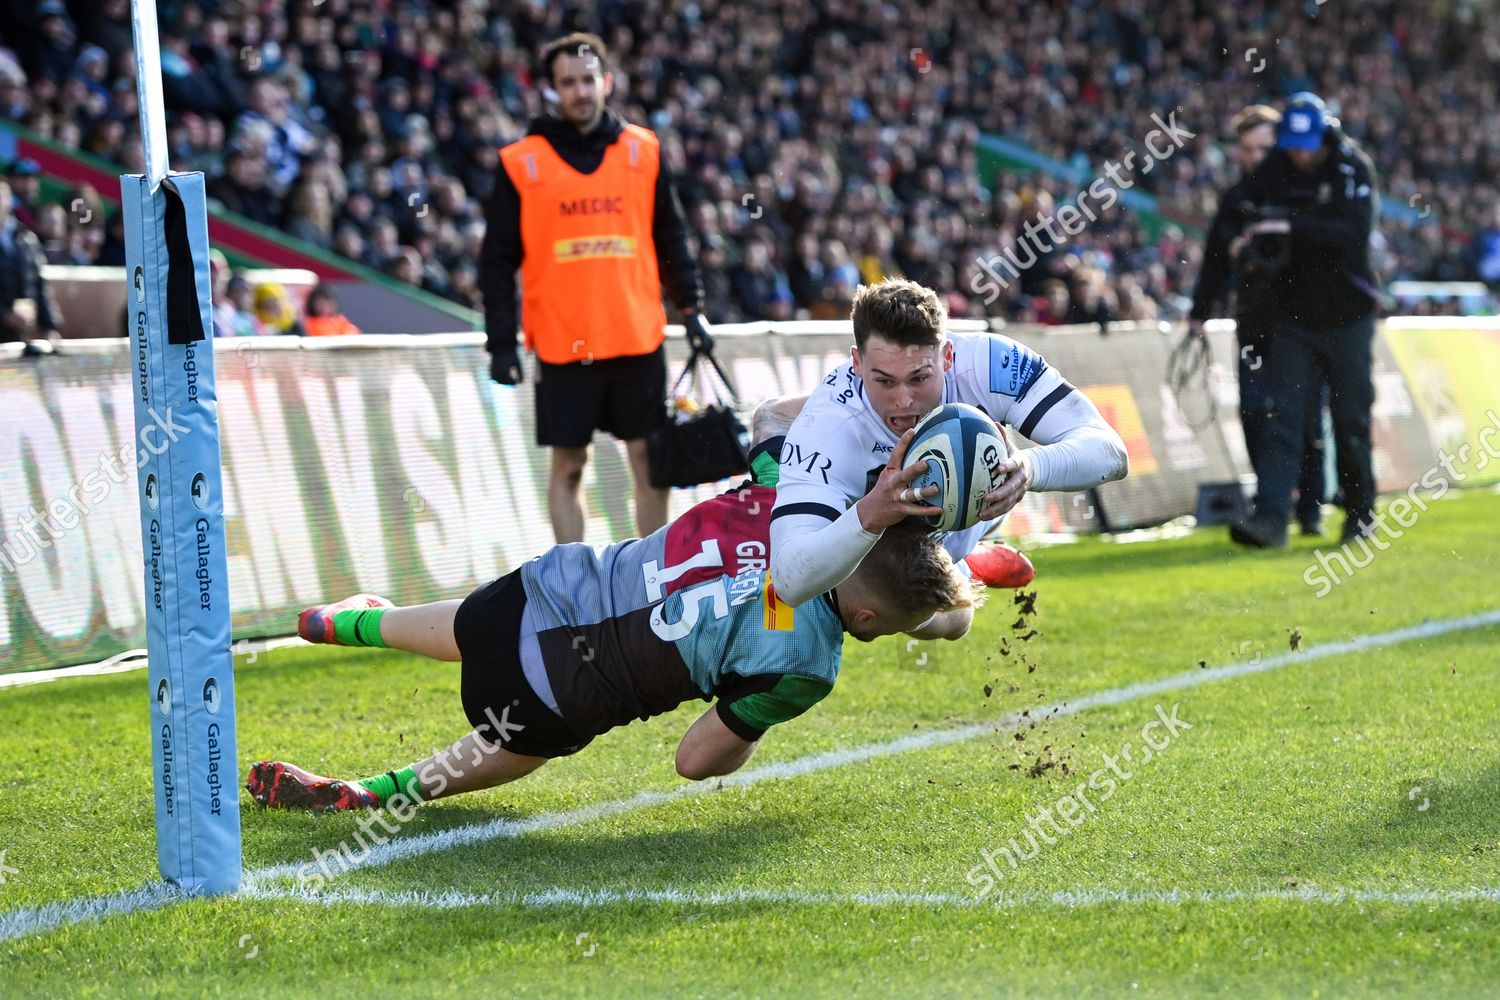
(999, 565)
(316, 624)
(279, 785)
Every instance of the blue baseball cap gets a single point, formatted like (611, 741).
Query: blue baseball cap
(1303, 122)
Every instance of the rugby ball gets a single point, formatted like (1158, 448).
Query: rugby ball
(963, 450)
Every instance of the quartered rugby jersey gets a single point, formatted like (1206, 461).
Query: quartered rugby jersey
(631, 630)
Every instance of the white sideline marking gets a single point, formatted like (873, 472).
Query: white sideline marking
(38, 919)
(1067, 898)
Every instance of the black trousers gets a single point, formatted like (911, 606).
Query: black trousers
(1300, 361)
(1255, 396)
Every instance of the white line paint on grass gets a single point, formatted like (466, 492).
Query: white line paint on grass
(134, 659)
(444, 840)
(38, 919)
(30, 920)
(1067, 898)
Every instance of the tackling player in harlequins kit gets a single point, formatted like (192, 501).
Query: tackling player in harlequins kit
(581, 639)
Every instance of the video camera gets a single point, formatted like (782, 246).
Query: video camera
(1267, 254)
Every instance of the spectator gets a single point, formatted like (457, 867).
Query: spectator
(242, 320)
(287, 140)
(322, 317)
(405, 264)
(50, 55)
(92, 67)
(805, 278)
(384, 245)
(779, 123)
(107, 25)
(1091, 300)
(1487, 251)
(244, 189)
(219, 66)
(229, 319)
(274, 311)
(760, 289)
(1053, 303)
(24, 176)
(310, 213)
(186, 84)
(27, 309)
(52, 233)
(348, 242)
(464, 288)
(1134, 304)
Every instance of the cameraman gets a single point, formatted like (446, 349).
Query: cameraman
(1315, 195)
(1254, 135)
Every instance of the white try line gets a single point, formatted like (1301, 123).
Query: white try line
(38, 919)
(558, 898)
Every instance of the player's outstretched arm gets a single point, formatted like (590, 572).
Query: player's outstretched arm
(710, 748)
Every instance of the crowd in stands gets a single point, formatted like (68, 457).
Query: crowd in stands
(265, 308)
(817, 146)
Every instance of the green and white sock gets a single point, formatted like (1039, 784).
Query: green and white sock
(385, 786)
(360, 627)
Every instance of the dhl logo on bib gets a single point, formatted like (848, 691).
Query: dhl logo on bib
(780, 616)
(591, 247)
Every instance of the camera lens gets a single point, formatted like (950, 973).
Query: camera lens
(1268, 253)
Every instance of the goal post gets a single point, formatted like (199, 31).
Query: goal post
(188, 627)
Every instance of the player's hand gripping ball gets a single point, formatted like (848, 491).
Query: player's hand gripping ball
(963, 450)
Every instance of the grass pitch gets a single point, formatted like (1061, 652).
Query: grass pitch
(1327, 826)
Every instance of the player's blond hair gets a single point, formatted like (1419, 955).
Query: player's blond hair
(901, 311)
(909, 569)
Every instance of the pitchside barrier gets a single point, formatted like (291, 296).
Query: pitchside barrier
(394, 465)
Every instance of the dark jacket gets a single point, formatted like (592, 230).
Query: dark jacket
(1329, 281)
(21, 278)
(502, 251)
(1216, 276)
(256, 205)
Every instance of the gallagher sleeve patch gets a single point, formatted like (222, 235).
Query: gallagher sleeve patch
(1013, 369)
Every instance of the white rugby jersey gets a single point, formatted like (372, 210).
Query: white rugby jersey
(838, 444)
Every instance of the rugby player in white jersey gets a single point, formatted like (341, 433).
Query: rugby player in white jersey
(841, 481)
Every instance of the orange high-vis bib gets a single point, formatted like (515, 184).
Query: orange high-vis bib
(329, 326)
(590, 288)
